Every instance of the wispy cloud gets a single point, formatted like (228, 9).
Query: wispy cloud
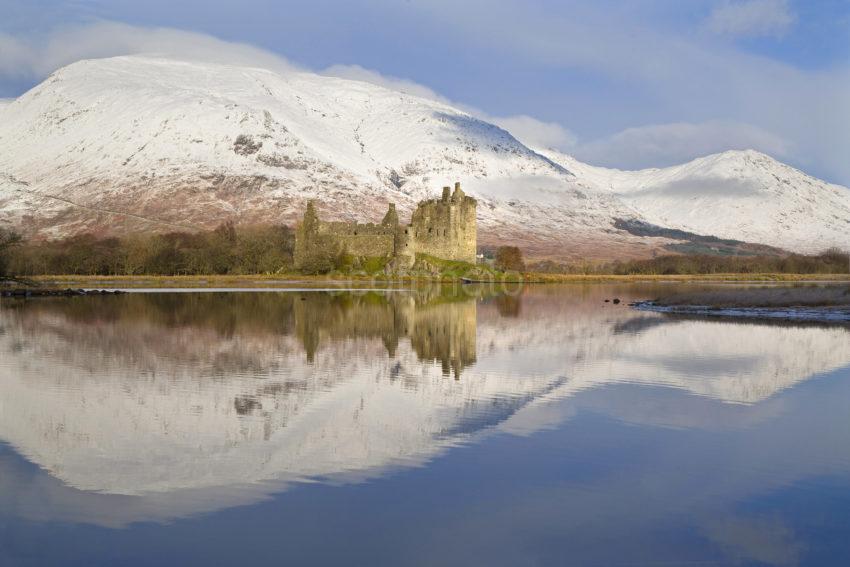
(39, 55)
(751, 18)
(669, 144)
(538, 133)
(643, 72)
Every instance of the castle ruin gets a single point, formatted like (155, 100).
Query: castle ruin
(444, 228)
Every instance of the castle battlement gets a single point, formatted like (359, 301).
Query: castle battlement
(445, 228)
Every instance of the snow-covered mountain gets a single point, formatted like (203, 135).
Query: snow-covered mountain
(140, 143)
(743, 195)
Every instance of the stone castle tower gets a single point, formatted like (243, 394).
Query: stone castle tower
(444, 228)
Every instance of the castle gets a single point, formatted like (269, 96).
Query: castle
(444, 228)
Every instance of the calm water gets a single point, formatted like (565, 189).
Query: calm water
(419, 427)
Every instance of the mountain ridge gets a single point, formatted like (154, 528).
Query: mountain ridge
(103, 144)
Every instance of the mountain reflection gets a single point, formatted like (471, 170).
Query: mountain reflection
(155, 397)
(266, 386)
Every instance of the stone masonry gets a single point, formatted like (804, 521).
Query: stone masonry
(445, 228)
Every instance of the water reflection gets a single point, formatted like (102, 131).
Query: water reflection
(152, 407)
(440, 328)
(223, 390)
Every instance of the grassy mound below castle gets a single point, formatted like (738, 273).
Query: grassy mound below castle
(425, 266)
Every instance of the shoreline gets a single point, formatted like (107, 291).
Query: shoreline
(817, 303)
(259, 281)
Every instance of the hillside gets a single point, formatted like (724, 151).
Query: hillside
(139, 144)
(744, 195)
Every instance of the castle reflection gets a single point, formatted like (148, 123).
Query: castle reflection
(440, 325)
(441, 329)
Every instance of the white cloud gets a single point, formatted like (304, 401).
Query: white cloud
(751, 18)
(537, 133)
(15, 57)
(669, 144)
(38, 56)
(628, 68)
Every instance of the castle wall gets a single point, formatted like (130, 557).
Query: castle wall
(361, 239)
(445, 228)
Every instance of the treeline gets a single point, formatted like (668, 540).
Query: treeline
(229, 249)
(833, 261)
(268, 249)
(8, 241)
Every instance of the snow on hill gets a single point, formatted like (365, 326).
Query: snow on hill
(140, 143)
(102, 145)
(744, 195)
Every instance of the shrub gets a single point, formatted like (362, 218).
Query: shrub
(509, 259)
(325, 257)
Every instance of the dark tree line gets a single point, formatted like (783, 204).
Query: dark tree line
(8, 240)
(268, 249)
(833, 261)
(228, 249)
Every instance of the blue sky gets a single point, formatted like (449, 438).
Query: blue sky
(628, 84)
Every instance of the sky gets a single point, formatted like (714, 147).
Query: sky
(629, 84)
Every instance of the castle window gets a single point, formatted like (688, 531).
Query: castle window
(430, 230)
(355, 233)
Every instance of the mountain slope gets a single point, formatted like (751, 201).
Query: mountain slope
(193, 144)
(745, 195)
(139, 143)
